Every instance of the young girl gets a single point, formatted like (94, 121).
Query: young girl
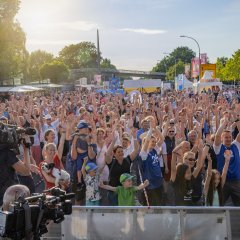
(215, 181)
(52, 155)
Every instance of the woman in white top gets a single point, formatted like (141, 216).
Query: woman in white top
(100, 160)
(101, 151)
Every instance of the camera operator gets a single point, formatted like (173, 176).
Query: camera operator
(13, 193)
(9, 163)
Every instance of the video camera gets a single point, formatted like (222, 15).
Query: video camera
(12, 136)
(28, 217)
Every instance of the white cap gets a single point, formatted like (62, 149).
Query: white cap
(48, 116)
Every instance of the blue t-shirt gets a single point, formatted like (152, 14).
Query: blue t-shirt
(234, 165)
(139, 133)
(152, 169)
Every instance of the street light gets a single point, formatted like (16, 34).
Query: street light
(199, 53)
(166, 53)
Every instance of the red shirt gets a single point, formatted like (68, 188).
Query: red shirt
(57, 163)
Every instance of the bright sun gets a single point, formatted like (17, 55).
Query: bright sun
(35, 17)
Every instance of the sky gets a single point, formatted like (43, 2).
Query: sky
(134, 34)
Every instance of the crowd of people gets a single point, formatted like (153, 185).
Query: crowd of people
(169, 149)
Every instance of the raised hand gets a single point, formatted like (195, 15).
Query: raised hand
(227, 155)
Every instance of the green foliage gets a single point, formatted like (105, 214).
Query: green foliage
(183, 54)
(8, 10)
(229, 69)
(56, 71)
(220, 64)
(179, 67)
(36, 60)
(79, 55)
(106, 63)
(12, 42)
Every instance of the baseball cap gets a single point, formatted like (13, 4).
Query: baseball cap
(48, 116)
(3, 118)
(125, 176)
(82, 124)
(91, 167)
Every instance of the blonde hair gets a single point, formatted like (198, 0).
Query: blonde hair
(50, 145)
(186, 155)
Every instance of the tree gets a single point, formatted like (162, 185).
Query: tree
(179, 68)
(56, 71)
(233, 67)
(106, 63)
(183, 54)
(8, 10)
(36, 60)
(83, 54)
(220, 65)
(12, 42)
(229, 69)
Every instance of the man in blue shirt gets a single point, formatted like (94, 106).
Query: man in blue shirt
(223, 141)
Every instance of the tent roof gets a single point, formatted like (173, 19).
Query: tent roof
(50, 85)
(208, 84)
(207, 75)
(142, 83)
(5, 89)
(182, 79)
(24, 89)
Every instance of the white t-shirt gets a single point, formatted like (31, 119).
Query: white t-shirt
(100, 160)
(53, 126)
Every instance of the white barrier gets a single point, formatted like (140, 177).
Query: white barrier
(138, 223)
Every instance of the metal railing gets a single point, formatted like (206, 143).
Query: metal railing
(136, 223)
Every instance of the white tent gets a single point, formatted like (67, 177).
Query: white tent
(200, 86)
(207, 75)
(24, 89)
(181, 82)
(207, 82)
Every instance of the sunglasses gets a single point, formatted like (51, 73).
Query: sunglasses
(172, 123)
(171, 131)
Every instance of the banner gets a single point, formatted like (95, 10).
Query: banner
(204, 58)
(97, 79)
(187, 70)
(209, 67)
(195, 67)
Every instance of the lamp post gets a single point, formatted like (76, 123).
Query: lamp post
(166, 53)
(199, 53)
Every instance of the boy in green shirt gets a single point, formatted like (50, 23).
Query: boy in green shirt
(126, 192)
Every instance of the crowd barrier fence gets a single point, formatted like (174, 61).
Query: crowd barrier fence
(141, 223)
